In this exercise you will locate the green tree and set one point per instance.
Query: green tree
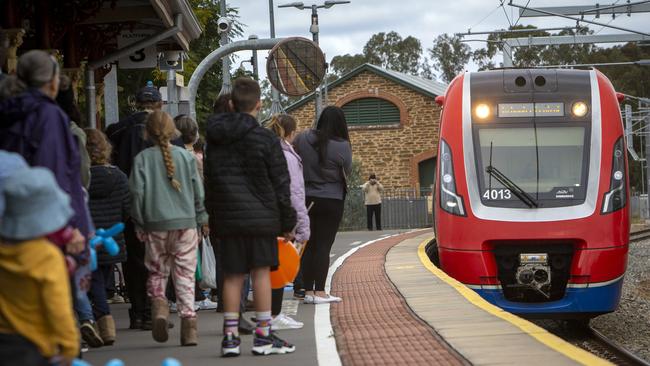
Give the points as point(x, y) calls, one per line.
point(391, 51)
point(341, 65)
point(387, 50)
point(449, 56)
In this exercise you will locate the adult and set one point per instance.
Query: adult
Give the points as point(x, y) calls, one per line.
point(372, 191)
point(128, 139)
point(34, 126)
point(327, 160)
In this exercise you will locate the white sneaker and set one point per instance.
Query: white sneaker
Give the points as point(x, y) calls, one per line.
point(309, 299)
point(173, 308)
point(325, 300)
point(282, 321)
point(205, 304)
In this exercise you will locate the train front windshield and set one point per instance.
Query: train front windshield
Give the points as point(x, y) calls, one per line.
point(549, 163)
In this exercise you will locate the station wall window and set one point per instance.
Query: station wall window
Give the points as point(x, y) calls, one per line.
point(371, 111)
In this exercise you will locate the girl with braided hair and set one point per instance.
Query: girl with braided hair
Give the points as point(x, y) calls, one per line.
point(167, 207)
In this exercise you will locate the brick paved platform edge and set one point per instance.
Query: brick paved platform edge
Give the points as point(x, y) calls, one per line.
point(374, 325)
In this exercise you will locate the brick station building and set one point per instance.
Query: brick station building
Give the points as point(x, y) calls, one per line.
point(393, 121)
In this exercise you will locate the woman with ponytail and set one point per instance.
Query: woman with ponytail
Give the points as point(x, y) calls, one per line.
point(167, 206)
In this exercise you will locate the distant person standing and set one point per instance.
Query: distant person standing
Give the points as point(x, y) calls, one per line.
point(327, 161)
point(372, 191)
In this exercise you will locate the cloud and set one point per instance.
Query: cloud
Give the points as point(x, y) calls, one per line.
point(346, 28)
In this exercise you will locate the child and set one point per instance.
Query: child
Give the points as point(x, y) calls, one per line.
point(109, 203)
point(285, 127)
point(167, 206)
point(37, 325)
point(248, 182)
point(189, 130)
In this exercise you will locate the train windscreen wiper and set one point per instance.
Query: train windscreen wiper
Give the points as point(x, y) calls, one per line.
point(515, 189)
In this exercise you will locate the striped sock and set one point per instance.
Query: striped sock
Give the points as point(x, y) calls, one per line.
point(231, 323)
point(263, 323)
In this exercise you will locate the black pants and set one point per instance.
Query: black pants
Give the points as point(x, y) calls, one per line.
point(17, 350)
point(325, 217)
point(376, 211)
point(136, 274)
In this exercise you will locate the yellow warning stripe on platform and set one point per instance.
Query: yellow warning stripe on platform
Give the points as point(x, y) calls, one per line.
point(554, 342)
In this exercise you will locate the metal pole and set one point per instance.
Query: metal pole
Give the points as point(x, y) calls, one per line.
point(314, 31)
point(90, 97)
point(172, 105)
point(646, 182)
point(111, 104)
point(214, 56)
point(225, 62)
point(276, 106)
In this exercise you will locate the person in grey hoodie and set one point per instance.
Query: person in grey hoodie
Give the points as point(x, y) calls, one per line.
point(327, 157)
point(285, 127)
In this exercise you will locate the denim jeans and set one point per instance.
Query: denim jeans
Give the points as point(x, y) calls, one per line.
point(97, 291)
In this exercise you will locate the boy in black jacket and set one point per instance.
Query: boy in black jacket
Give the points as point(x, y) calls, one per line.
point(247, 194)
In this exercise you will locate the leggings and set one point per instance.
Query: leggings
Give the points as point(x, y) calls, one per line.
point(276, 301)
point(325, 217)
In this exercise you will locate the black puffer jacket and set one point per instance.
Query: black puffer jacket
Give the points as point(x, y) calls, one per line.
point(246, 178)
point(128, 139)
point(109, 204)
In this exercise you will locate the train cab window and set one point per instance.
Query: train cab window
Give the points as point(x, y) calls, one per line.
point(548, 163)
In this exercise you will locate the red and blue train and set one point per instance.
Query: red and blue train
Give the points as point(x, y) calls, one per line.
point(531, 190)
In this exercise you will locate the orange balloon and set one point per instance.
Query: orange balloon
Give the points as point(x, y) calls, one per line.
point(289, 264)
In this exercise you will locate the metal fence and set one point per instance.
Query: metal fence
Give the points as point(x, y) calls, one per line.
point(639, 207)
point(400, 209)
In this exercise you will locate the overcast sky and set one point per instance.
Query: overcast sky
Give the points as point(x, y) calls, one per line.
point(346, 28)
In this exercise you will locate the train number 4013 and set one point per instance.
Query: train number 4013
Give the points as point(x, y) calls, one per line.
point(497, 194)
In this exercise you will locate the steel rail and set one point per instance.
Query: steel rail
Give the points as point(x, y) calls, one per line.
point(616, 349)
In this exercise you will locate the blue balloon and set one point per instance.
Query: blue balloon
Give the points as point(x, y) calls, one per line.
point(115, 362)
point(171, 362)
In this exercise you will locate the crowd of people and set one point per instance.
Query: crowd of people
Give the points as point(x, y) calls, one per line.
point(243, 188)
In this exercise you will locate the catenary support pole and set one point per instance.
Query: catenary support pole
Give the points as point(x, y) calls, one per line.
point(276, 106)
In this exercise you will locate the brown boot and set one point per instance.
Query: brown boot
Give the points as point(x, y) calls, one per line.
point(106, 326)
point(189, 335)
point(159, 316)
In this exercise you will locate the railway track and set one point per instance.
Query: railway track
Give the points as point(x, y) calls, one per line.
point(612, 350)
point(585, 336)
point(639, 235)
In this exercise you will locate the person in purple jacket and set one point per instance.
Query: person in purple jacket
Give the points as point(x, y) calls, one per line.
point(34, 126)
point(285, 127)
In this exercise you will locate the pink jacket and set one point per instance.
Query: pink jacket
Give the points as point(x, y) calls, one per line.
point(294, 163)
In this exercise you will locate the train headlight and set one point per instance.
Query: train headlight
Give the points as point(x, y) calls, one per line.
point(616, 197)
point(482, 111)
point(579, 109)
point(450, 201)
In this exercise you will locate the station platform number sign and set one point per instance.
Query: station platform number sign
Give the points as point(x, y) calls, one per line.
point(145, 58)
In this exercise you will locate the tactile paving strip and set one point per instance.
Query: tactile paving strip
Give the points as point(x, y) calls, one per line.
point(373, 325)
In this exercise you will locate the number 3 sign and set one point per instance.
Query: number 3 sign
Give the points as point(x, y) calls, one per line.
point(144, 58)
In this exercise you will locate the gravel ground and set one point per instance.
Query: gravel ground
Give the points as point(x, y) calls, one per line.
point(630, 324)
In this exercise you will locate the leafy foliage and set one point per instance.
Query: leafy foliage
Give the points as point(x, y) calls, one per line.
point(387, 50)
point(449, 55)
